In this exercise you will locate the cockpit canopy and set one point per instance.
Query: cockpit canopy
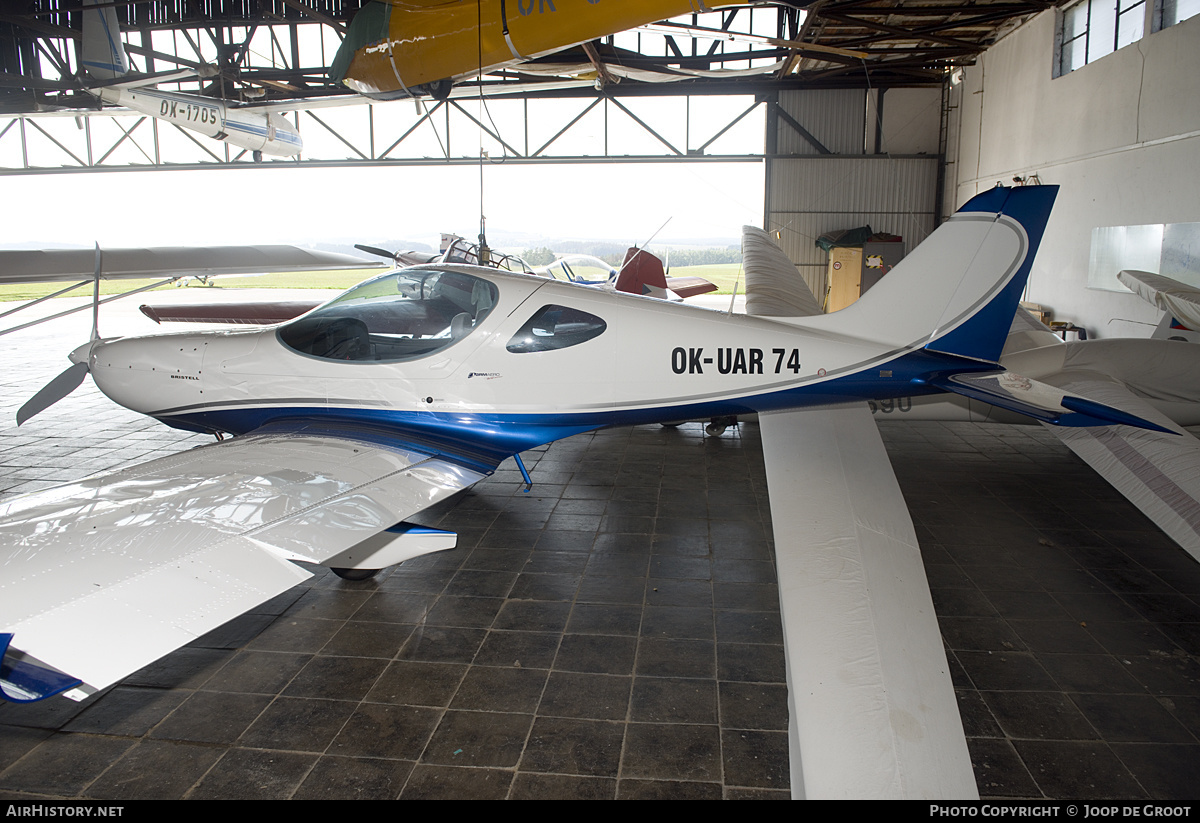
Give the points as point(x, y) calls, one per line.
point(579, 268)
point(403, 315)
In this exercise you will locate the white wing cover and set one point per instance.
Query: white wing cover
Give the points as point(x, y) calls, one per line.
point(873, 711)
point(774, 288)
point(108, 574)
point(1159, 473)
point(1173, 297)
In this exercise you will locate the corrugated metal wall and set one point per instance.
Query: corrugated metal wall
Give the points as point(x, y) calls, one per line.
point(810, 192)
point(833, 116)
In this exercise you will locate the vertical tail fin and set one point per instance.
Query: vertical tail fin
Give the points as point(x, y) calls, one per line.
point(958, 291)
point(101, 52)
point(641, 273)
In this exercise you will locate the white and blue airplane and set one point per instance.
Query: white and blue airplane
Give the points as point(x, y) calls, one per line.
point(259, 128)
point(412, 386)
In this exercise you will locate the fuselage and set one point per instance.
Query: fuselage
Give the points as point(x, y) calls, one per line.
point(393, 48)
point(497, 363)
point(267, 132)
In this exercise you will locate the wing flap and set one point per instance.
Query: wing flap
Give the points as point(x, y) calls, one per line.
point(1159, 472)
point(107, 574)
point(873, 711)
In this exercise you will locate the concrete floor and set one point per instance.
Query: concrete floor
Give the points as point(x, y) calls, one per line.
point(615, 632)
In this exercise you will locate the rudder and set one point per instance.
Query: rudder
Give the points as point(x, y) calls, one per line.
point(101, 50)
point(957, 292)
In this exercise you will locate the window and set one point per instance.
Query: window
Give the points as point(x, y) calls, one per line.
point(404, 315)
point(1091, 29)
point(1169, 12)
point(1169, 249)
point(556, 327)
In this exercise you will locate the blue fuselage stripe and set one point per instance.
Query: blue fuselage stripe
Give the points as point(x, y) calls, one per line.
point(483, 440)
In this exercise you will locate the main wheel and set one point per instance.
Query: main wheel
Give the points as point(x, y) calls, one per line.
point(355, 574)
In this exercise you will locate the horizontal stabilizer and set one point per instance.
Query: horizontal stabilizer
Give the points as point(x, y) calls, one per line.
point(138, 81)
point(1042, 402)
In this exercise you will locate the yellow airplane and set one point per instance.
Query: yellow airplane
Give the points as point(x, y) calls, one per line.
point(404, 48)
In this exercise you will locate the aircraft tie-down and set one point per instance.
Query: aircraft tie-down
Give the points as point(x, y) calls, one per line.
point(412, 386)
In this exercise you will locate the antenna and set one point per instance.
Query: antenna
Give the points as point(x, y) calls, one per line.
point(737, 281)
point(96, 295)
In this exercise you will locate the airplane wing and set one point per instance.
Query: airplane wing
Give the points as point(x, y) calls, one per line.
point(1177, 299)
point(873, 710)
point(110, 573)
point(252, 313)
point(774, 288)
point(54, 265)
point(1158, 472)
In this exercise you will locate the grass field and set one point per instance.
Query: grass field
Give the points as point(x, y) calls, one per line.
point(722, 274)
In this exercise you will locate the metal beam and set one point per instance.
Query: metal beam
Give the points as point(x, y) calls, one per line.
point(782, 114)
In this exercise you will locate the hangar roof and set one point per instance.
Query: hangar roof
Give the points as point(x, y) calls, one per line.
point(901, 43)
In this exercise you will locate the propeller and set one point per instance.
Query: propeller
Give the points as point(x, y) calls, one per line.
point(402, 258)
point(390, 255)
point(69, 380)
point(52, 392)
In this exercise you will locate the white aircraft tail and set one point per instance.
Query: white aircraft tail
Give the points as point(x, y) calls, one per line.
point(957, 292)
point(101, 52)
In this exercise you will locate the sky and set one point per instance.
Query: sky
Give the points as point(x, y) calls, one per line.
point(275, 202)
point(234, 206)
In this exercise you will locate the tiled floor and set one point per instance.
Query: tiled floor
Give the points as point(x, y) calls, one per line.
point(615, 633)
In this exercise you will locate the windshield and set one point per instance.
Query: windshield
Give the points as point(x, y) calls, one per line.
point(579, 268)
point(399, 316)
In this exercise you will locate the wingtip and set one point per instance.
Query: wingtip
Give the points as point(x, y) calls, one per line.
point(1098, 414)
point(25, 682)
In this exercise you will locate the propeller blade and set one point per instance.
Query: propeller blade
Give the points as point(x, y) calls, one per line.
point(52, 392)
point(375, 250)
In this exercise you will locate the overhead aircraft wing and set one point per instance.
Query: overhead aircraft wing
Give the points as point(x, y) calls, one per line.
point(873, 710)
point(53, 265)
point(105, 575)
point(1158, 472)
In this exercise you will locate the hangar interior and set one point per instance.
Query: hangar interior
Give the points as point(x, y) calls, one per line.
point(615, 633)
